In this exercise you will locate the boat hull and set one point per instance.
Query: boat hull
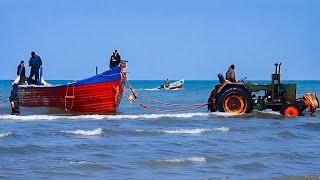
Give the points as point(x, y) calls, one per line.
point(99, 94)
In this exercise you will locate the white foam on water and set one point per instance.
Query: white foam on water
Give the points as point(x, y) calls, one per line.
point(270, 112)
point(152, 89)
point(94, 132)
point(195, 131)
point(115, 117)
point(190, 159)
point(5, 134)
point(79, 162)
point(112, 117)
point(186, 131)
point(29, 117)
point(223, 129)
point(223, 114)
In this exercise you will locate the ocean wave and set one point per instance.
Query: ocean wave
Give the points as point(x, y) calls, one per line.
point(94, 132)
point(151, 89)
point(251, 166)
point(5, 134)
point(195, 131)
point(311, 126)
point(24, 149)
point(88, 165)
point(287, 134)
point(116, 117)
point(199, 159)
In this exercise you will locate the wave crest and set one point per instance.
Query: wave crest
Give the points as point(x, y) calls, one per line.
point(116, 117)
point(195, 131)
point(5, 134)
point(94, 132)
point(182, 160)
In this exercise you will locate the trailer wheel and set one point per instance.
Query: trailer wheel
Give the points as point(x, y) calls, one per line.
point(291, 110)
point(235, 100)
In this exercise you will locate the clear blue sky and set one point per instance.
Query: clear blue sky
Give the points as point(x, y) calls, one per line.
point(163, 39)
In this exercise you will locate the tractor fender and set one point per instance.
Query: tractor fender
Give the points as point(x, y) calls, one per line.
point(226, 86)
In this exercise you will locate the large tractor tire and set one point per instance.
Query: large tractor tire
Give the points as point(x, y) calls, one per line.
point(291, 110)
point(235, 100)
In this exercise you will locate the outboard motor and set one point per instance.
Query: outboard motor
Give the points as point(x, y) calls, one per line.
point(221, 78)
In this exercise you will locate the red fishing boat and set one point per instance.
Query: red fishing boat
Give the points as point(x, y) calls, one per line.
point(99, 94)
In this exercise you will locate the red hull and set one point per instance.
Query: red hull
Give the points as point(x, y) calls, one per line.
point(98, 98)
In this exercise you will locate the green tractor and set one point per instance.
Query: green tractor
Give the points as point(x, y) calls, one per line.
point(243, 97)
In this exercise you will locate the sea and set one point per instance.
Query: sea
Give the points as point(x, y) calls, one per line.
point(140, 143)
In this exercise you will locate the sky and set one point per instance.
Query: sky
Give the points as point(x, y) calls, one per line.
point(174, 39)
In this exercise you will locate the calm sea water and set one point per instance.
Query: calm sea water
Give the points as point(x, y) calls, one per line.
point(140, 144)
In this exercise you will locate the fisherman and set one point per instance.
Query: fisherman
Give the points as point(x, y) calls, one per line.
point(115, 59)
point(21, 71)
point(166, 83)
point(14, 101)
point(230, 74)
point(35, 63)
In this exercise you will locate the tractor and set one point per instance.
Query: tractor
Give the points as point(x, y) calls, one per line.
point(243, 97)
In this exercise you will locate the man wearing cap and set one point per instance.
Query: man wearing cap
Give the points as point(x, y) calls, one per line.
point(115, 59)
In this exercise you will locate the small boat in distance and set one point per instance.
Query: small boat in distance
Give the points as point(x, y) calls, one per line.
point(173, 86)
point(99, 94)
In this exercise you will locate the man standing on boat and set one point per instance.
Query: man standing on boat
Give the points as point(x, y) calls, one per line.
point(21, 71)
point(231, 75)
point(115, 59)
point(35, 63)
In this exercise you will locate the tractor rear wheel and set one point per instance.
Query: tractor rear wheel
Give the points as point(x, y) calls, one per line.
point(235, 100)
point(291, 110)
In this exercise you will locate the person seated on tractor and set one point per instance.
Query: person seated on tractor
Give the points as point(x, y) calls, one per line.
point(230, 74)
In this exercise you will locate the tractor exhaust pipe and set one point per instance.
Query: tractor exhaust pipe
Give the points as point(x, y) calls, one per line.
point(280, 68)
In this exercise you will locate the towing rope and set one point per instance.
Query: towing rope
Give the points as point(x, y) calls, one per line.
point(164, 110)
point(181, 107)
point(4, 101)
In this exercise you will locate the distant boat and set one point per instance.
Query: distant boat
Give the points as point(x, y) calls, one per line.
point(99, 94)
point(173, 86)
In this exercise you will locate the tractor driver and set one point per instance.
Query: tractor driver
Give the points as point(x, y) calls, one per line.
point(230, 74)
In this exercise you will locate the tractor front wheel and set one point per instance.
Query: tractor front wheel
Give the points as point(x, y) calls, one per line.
point(291, 110)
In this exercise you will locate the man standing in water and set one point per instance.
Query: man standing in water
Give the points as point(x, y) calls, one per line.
point(35, 63)
point(115, 59)
point(231, 75)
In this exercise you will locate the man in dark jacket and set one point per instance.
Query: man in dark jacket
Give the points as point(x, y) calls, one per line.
point(14, 100)
point(35, 63)
point(21, 71)
point(231, 75)
point(115, 59)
